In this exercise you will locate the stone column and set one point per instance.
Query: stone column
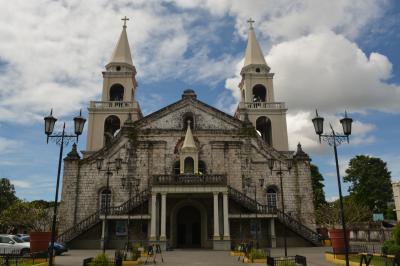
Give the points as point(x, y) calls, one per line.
point(216, 218)
point(153, 235)
point(272, 230)
point(227, 234)
point(163, 215)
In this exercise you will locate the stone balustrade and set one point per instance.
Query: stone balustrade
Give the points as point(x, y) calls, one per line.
point(263, 105)
point(189, 179)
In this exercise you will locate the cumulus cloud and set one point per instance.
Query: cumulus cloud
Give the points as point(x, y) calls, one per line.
point(9, 145)
point(53, 52)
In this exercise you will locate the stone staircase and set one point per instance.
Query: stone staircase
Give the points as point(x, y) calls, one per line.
point(94, 218)
point(290, 222)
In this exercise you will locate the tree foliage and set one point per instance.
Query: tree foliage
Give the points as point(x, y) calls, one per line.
point(328, 214)
point(318, 186)
point(7, 194)
point(370, 182)
point(27, 215)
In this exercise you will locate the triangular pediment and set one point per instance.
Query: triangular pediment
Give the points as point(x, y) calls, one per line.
point(205, 117)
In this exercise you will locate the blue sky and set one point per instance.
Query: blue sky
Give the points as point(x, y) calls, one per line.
point(330, 55)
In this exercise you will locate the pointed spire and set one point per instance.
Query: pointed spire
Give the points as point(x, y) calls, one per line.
point(189, 141)
point(122, 52)
point(253, 54)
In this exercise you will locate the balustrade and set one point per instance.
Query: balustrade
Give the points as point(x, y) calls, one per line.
point(185, 179)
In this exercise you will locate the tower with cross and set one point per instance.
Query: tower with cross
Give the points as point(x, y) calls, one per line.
point(118, 97)
point(257, 101)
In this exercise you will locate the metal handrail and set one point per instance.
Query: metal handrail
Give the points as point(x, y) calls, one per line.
point(286, 219)
point(94, 218)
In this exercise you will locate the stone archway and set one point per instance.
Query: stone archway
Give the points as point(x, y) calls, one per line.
point(182, 217)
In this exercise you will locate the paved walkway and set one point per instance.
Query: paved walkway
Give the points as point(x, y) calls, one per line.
point(315, 257)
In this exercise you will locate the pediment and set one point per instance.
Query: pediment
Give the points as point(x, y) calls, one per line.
point(205, 117)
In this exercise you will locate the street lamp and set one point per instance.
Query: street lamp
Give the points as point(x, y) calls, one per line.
point(128, 183)
point(279, 171)
point(249, 183)
point(62, 139)
point(109, 172)
point(335, 140)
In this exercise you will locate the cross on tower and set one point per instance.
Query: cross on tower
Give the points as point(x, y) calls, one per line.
point(250, 21)
point(125, 19)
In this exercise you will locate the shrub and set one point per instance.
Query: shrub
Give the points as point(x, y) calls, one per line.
point(101, 260)
point(257, 254)
point(135, 252)
point(390, 247)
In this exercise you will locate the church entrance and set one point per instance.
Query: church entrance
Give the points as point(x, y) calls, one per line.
point(188, 227)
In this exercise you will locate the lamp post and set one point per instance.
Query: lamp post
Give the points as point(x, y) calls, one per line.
point(279, 171)
point(128, 183)
point(109, 172)
point(251, 184)
point(62, 139)
point(334, 139)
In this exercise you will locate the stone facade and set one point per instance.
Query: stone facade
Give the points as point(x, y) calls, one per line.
point(229, 152)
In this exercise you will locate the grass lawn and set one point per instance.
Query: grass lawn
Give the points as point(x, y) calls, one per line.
point(376, 261)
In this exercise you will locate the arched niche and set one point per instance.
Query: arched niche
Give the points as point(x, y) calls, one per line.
point(188, 165)
point(186, 118)
point(111, 125)
point(259, 93)
point(202, 168)
point(263, 126)
point(117, 92)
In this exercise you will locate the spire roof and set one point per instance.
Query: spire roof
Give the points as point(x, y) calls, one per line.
point(122, 52)
point(189, 143)
point(253, 55)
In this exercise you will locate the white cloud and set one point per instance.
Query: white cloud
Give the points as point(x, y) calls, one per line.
point(21, 184)
point(8, 145)
point(53, 51)
point(290, 19)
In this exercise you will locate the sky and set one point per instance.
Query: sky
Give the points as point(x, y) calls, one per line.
point(327, 55)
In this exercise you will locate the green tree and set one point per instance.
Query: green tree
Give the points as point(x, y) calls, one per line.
point(317, 186)
point(370, 182)
point(328, 214)
point(7, 194)
point(23, 214)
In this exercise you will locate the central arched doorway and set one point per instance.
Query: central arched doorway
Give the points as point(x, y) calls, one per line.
point(188, 227)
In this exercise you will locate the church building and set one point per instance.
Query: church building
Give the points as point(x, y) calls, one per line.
point(187, 175)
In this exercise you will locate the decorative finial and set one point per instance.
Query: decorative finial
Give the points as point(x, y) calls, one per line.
point(125, 19)
point(250, 21)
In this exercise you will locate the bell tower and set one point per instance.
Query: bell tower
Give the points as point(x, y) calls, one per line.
point(118, 97)
point(257, 96)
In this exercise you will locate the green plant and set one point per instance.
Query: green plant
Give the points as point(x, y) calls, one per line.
point(101, 260)
point(392, 246)
point(257, 254)
point(135, 252)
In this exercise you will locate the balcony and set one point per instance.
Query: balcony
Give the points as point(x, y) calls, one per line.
point(189, 180)
point(262, 105)
point(112, 105)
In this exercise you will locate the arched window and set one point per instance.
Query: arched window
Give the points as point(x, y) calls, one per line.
point(202, 168)
point(271, 197)
point(105, 199)
point(111, 125)
point(263, 126)
point(177, 168)
point(117, 92)
point(186, 118)
point(259, 93)
point(189, 165)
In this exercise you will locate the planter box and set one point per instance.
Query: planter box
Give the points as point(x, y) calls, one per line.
point(131, 262)
point(40, 241)
point(237, 253)
point(246, 260)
